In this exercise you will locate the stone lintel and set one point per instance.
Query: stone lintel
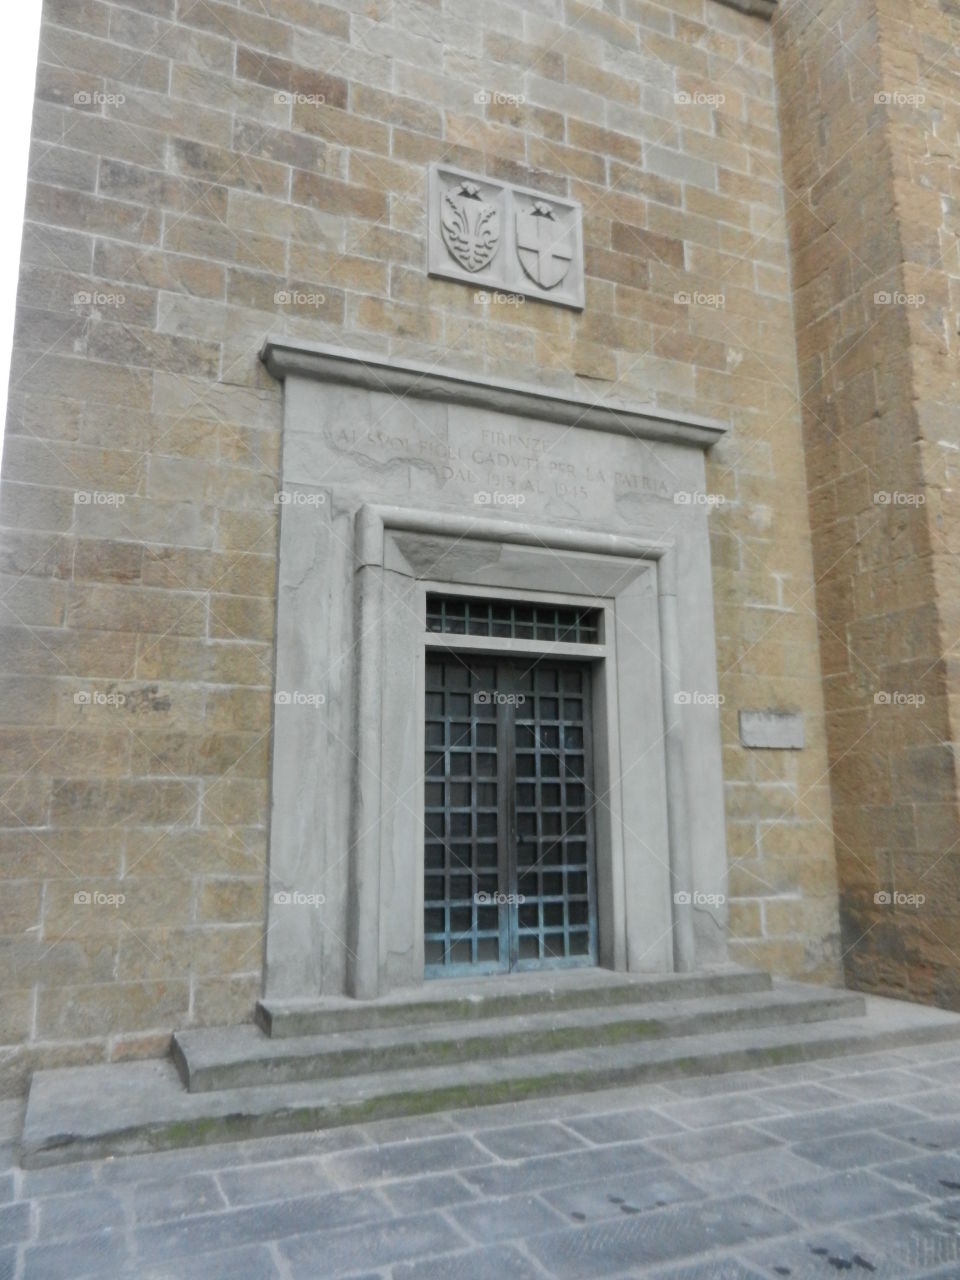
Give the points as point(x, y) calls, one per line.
point(426, 382)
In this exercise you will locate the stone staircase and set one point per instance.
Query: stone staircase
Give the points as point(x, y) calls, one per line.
point(453, 1044)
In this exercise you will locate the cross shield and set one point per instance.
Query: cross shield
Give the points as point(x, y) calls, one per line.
point(544, 245)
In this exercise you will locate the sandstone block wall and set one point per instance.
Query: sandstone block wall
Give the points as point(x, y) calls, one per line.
point(207, 172)
point(870, 118)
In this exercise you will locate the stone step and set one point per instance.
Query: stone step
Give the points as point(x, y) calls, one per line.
point(86, 1112)
point(446, 1000)
point(236, 1057)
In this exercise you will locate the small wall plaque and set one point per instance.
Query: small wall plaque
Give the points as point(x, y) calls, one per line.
point(772, 730)
point(499, 236)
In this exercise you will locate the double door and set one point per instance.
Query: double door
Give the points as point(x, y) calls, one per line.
point(509, 874)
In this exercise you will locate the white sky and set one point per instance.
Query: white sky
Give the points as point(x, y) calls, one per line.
point(18, 64)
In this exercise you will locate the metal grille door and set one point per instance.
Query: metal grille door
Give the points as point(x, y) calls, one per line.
point(461, 819)
point(509, 853)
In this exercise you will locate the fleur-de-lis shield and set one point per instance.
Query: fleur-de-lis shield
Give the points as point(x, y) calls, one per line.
point(470, 226)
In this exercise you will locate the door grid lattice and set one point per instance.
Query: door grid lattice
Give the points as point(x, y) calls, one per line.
point(509, 850)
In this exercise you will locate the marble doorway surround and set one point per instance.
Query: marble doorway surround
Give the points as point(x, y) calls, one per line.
point(399, 479)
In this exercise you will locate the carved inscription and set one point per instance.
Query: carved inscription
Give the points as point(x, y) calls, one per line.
point(505, 461)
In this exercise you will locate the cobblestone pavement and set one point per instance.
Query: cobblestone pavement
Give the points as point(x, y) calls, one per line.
point(849, 1166)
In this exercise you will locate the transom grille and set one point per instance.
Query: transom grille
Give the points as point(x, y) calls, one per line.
point(514, 620)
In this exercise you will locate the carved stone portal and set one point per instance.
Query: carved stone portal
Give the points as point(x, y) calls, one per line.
point(504, 237)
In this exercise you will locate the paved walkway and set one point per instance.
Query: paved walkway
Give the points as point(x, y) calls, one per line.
point(846, 1167)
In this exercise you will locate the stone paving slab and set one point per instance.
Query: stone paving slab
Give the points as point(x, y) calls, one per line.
point(790, 1175)
point(721, 1269)
point(825, 1253)
point(659, 1236)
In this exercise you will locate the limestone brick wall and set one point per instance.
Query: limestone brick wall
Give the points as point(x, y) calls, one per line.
point(207, 172)
point(869, 114)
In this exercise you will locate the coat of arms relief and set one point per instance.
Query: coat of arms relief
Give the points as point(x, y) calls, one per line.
point(470, 226)
point(503, 236)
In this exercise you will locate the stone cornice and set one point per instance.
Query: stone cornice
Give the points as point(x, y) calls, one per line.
point(424, 382)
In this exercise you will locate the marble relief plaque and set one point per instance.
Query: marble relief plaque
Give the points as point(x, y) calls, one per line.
point(501, 237)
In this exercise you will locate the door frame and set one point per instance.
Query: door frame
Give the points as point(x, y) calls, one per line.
point(359, 837)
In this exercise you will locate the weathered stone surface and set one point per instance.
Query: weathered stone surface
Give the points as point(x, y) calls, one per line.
point(670, 1220)
point(221, 182)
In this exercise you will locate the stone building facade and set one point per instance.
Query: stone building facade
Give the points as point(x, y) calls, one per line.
point(212, 180)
